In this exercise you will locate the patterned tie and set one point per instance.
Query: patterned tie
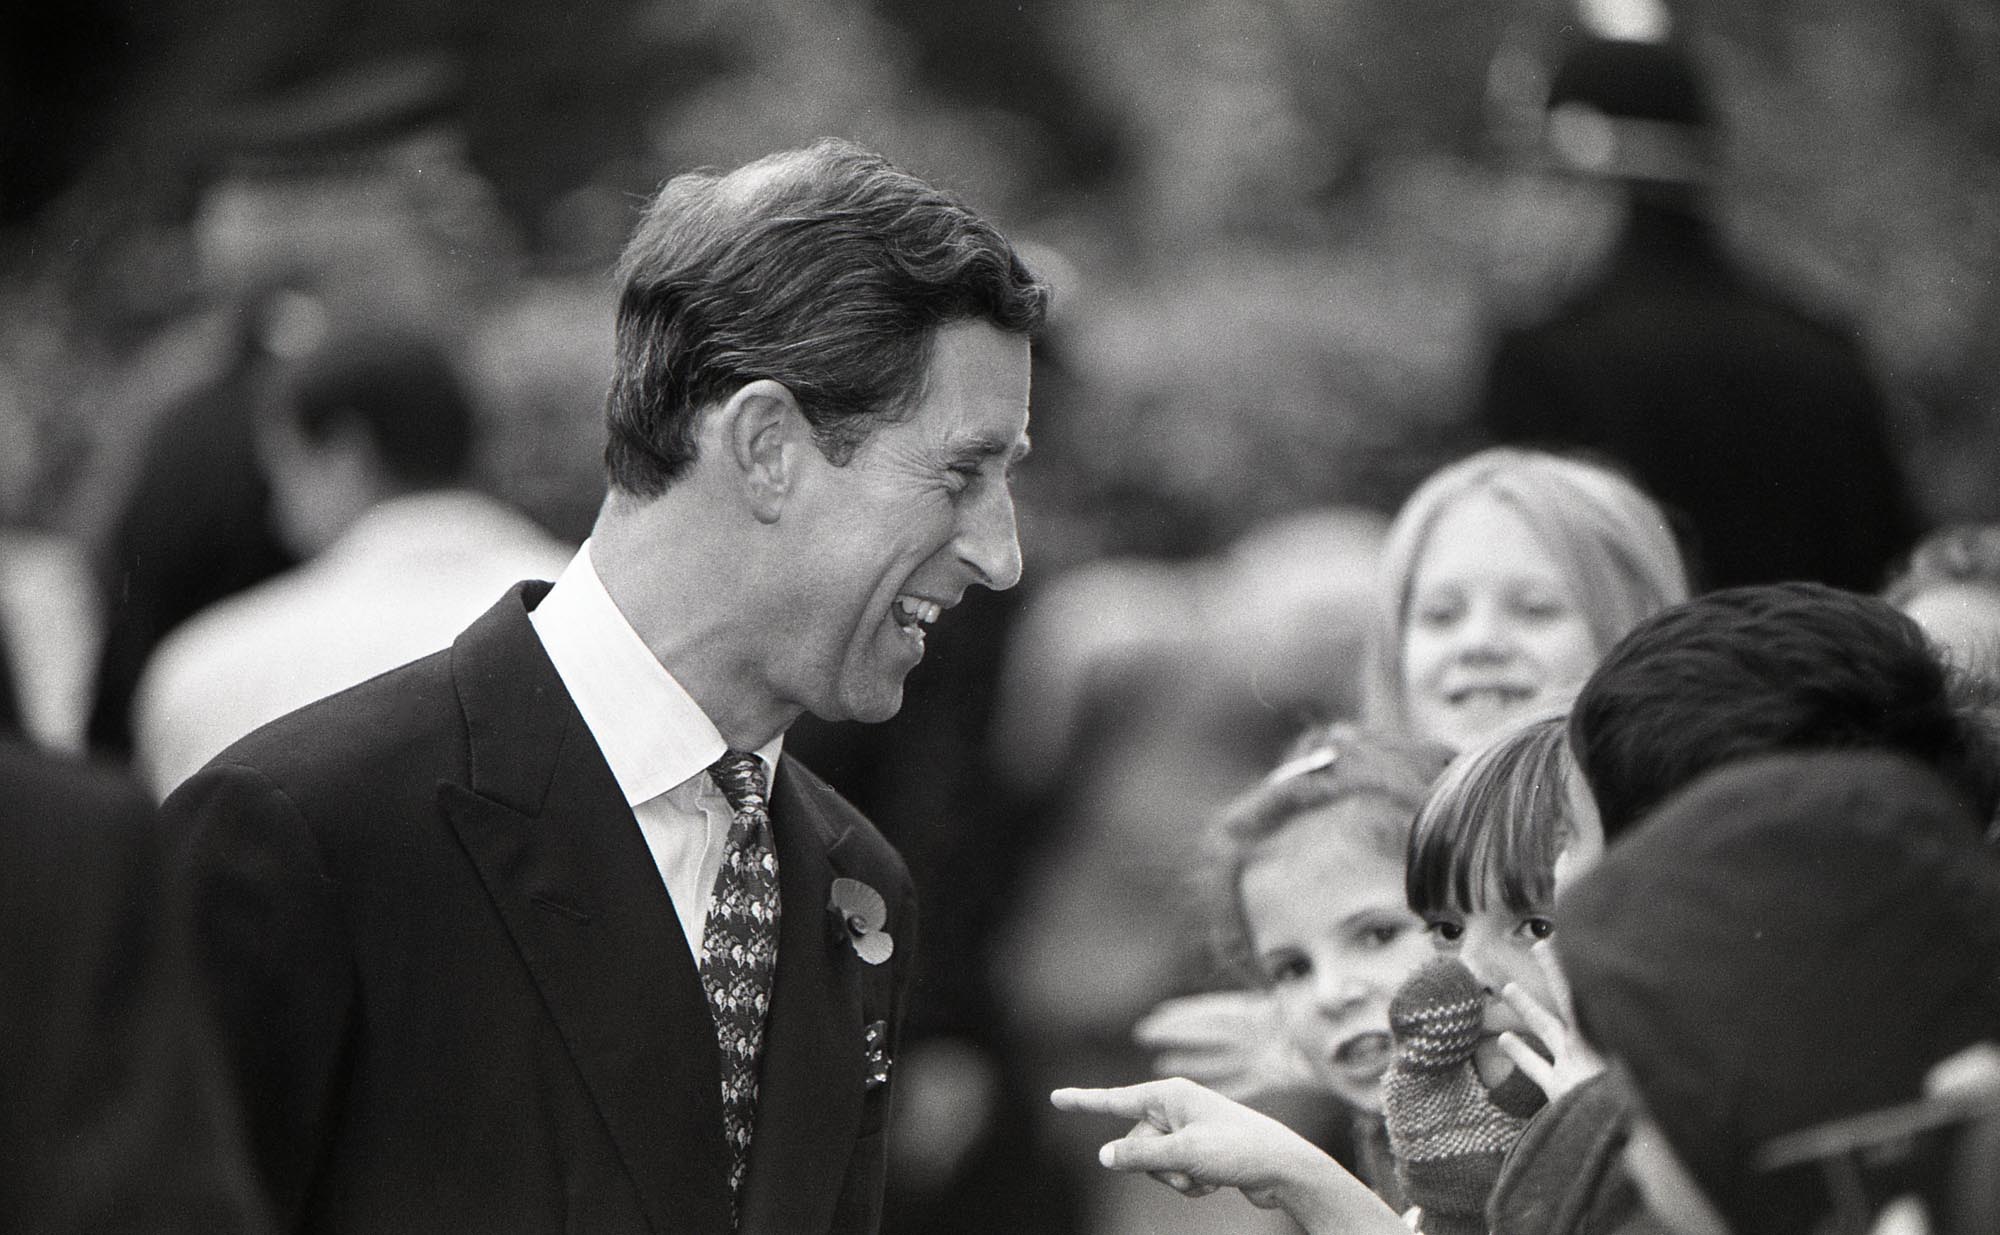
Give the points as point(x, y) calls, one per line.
point(740, 949)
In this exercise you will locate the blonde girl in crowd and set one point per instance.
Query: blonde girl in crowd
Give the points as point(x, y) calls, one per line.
point(1505, 578)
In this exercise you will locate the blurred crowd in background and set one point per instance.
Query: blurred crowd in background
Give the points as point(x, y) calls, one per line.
point(1287, 239)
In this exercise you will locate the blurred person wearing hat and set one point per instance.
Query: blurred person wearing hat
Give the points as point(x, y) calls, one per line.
point(547, 931)
point(1758, 424)
point(346, 195)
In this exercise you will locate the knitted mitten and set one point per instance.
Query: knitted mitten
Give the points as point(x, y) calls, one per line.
point(1448, 1135)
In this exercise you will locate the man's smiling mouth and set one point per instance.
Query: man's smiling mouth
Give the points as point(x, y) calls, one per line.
point(913, 614)
point(911, 611)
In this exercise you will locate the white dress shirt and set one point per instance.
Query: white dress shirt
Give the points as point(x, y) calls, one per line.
point(656, 738)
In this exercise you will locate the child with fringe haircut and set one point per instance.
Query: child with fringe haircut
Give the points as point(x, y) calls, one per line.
point(1484, 1039)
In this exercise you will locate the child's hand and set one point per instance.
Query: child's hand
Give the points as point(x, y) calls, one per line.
point(1195, 1140)
point(1188, 1137)
point(1574, 1061)
point(1448, 1134)
point(1228, 1041)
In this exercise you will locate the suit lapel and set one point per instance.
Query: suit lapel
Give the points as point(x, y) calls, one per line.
point(570, 875)
point(813, 1075)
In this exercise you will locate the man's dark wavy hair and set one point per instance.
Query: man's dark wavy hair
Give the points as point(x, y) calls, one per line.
point(826, 269)
point(1763, 670)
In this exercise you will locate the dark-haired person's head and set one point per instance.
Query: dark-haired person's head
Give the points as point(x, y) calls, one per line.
point(819, 397)
point(1758, 670)
point(365, 414)
point(1792, 941)
point(827, 270)
point(399, 388)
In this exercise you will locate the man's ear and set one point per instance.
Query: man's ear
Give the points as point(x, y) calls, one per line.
point(762, 433)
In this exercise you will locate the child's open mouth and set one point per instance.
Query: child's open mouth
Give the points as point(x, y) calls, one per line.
point(1365, 1055)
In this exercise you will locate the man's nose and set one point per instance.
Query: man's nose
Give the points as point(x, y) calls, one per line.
point(989, 541)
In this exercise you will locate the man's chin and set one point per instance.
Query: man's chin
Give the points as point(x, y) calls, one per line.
point(869, 709)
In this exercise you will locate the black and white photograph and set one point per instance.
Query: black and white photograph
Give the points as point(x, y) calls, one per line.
point(1000, 617)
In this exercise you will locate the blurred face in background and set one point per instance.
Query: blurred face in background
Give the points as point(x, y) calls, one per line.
point(1334, 938)
point(1492, 632)
point(1963, 619)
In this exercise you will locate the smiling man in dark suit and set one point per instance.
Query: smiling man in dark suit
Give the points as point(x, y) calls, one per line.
point(492, 936)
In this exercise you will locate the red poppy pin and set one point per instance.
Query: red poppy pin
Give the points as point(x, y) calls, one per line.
point(861, 913)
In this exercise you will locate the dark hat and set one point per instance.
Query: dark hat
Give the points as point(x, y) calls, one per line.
point(1624, 79)
point(1791, 940)
point(1628, 109)
point(338, 113)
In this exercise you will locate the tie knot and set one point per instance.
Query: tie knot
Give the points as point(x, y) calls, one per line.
point(740, 776)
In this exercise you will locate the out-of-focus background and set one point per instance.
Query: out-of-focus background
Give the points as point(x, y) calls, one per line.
point(1284, 236)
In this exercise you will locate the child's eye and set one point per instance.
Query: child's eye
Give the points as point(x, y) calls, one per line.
point(1539, 928)
point(1435, 613)
point(1382, 934)
point(1539, 608)
point(1283, 969)
point(1444, 930)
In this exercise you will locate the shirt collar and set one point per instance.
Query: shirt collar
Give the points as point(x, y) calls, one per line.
point(653, 734)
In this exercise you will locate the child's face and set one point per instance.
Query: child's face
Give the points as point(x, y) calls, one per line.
point(1493, 633)
point(1495, 943)
point(1335, 939)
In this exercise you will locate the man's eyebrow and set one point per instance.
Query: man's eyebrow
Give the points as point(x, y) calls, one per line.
point(988, 447)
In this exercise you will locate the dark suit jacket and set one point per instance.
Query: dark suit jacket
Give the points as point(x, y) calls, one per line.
point(455, 990)
point(113, 1114)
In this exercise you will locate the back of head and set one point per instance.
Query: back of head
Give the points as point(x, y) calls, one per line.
point(1757, 670)
point(1791, 940)
point(399, 388)
point(1496, 822)
point(1613, 542)
point(826, 269)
